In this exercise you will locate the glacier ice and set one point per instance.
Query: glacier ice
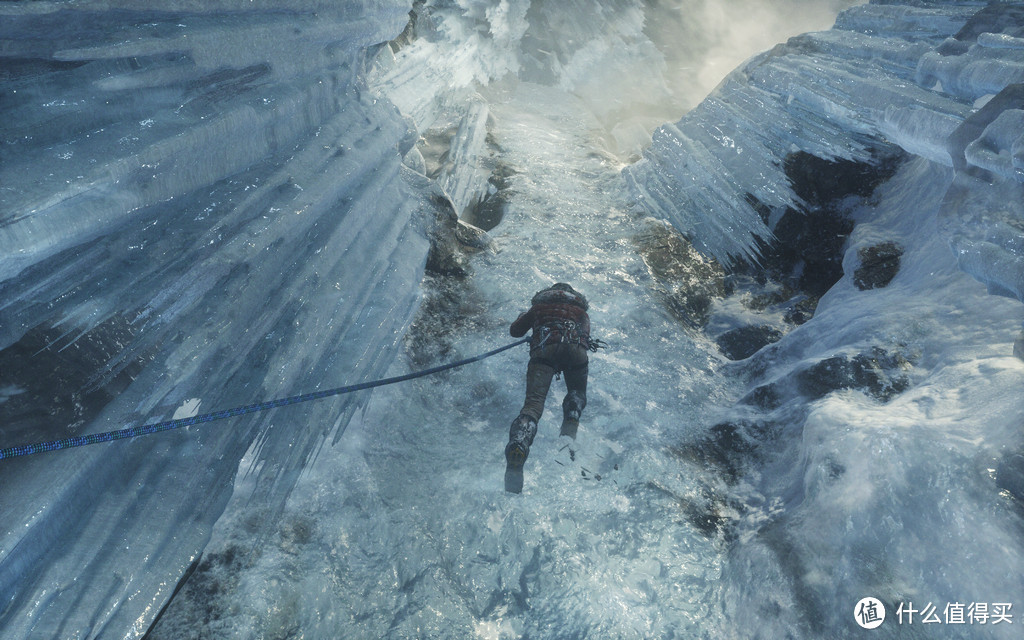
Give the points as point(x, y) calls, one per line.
point(886, 74)
point(222, 204)
point(151, 162)
point(413, 534)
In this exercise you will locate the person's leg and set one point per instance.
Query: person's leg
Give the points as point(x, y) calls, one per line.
point(524, 428)
point(520, 437)
point(538, 381)
point(576, 396)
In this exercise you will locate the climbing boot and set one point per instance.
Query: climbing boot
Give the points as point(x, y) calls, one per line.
point(520, 437)
point(515, 456)
point(572, 407)
point(569, 427)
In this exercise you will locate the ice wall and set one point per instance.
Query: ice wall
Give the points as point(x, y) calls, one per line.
point(196, 202)
point(206, 206)
point(914, 76)
point(838, 505)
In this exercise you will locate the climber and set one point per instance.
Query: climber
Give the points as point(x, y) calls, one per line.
point(559, 344)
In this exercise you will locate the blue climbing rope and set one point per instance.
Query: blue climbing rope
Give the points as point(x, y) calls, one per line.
point(131, 432)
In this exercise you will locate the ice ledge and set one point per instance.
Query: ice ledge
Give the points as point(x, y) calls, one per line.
point(992, 138)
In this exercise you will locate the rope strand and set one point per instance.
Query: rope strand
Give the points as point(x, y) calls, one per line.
point(131, 432)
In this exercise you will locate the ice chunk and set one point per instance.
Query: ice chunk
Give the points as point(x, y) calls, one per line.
point(974, 74)
point(463, 177)
point(1000, 145)
point(1000, 41)
point(988, 137)
point(920, 131)
point(188, 409)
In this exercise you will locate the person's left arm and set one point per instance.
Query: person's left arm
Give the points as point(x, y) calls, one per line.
point(522, 324)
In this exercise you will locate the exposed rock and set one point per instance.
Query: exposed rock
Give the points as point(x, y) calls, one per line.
point(996, 17)
point(766, 397)
point(724, 448)
point(879, 264)
point(205, 583)
point(769, 297)
point(450, 240)
point(489, 212)
point(1018, 346)
point(708, 510)
point(743, 342)
point(1010, 475)
point(878, 373)
point(471, 237)
point(807, 253)
point(810, 248)
point(689, 281)
point(705, 517)
point(804, 259)
point(52, 384)
point(409, 34)
point(450, 304)
point(724, 451)
point(801, 310)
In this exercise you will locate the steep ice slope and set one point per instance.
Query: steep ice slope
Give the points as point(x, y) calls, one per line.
point(405, 530)
point(202, 204)
point(881, 478)
point(709, 518)
point(216, 150)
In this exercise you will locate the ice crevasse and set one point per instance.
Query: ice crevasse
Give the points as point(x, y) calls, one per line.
point(152, 160)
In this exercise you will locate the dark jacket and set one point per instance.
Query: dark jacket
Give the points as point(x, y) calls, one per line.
point(556, 315)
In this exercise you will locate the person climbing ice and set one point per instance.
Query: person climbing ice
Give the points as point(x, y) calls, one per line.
point(559, 344)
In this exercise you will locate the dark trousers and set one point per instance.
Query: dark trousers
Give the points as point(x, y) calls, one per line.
point(545, 362)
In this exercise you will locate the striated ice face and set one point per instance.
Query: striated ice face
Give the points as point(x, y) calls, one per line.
point(197, 204)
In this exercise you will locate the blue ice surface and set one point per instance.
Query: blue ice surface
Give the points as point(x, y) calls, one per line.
point(220, 202)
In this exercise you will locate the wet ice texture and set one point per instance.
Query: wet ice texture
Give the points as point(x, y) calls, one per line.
point(408, 531)
point(211, 202)
point(886, 74)
point(216, 186)
point(214, 200)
